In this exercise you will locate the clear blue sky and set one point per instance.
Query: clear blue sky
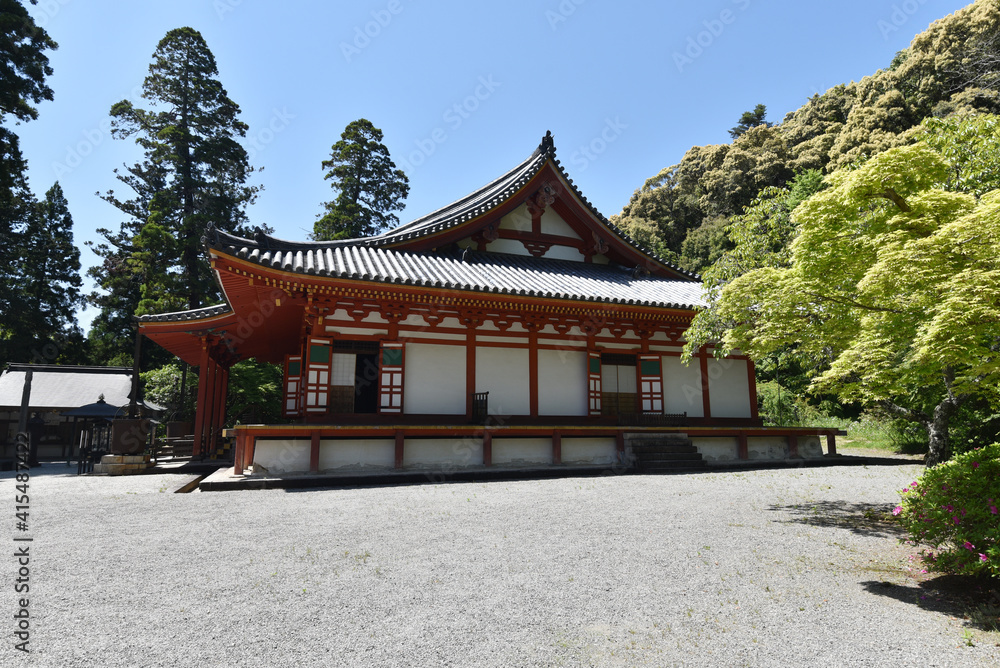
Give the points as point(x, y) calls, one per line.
point(462, 90)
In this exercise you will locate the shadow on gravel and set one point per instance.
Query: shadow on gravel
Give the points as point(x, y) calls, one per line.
point(866, 519)
point(975, 600)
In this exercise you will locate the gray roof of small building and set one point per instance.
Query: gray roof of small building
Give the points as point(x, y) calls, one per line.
point(193, 314)
point(60, 387)
point(473, 271)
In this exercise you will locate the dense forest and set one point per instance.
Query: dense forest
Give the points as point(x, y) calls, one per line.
point(952, 68)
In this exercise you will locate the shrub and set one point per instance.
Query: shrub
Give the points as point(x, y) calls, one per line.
point(954, 509)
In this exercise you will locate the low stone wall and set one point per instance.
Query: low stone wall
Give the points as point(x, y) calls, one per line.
point(122, 464)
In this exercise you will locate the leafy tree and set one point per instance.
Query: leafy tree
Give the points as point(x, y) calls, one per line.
point(369, 187)
point(953, 67)
point(892, 277)
point(193, 174)
point(750, 119)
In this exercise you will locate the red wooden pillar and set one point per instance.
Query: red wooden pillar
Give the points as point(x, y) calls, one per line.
point(706, 401)
point(400, 443)
point(556, 448)
point(239, 452)
point(752, 382)
point(314, 453)
point(831, 444)
point(742, 449)
point(211, 400)
point(219, 407)
point(470, 373)
point(793, 447)
point(199, 415)
point(250, 445)
point(487, 448)
point(533, 369)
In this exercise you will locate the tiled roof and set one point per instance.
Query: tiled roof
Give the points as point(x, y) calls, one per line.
point(470, 270)
point(471, 206)
point(55, 387)
point(196, 314)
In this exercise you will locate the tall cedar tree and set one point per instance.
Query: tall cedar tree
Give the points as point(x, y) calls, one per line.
point(193, 175)
point(368, 185)
point(750, 119)
point(50, 283)
point(23, 69)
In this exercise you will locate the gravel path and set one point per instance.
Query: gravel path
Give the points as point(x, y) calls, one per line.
point(763, 568)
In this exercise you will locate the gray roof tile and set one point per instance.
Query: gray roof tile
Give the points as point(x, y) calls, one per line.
point(479, 272)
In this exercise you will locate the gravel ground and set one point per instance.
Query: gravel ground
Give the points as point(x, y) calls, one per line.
point(763, 568)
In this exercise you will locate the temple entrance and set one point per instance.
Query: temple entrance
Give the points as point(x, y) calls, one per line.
point(366, 383)
point(618, 384)
point(354, 380)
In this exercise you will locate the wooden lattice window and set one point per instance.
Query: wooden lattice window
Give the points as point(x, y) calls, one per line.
point(594, 382)
point(391, 378)
point(317, 382)
point(651, 383)
point(293, 385)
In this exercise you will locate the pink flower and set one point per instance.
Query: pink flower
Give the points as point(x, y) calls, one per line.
point(975, 465)
point(957, 521)
point(993, 509)
point(897, 510)
point(982, 557)
point(969, 546)
point(949, 508)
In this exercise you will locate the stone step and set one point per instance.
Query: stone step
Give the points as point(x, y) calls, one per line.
point(669, 457)
point(659, 447)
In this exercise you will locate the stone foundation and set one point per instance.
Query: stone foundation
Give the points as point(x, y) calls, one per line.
point(122, 464)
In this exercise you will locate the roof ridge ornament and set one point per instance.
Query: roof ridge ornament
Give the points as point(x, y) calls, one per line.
point(548, 144)
point(261, 239)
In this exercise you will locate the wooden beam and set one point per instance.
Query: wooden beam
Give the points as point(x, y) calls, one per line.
point(487, 448)
point(706, 400)
point(533, 371)
point(743, 450)
point(199, 411)
point(314, 443)
point(400, 443)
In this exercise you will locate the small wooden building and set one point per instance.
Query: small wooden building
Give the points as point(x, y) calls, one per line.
point(514, 327)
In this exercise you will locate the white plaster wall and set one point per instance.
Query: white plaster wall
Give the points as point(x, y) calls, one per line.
point(427, 453)
point(519, 219)
point(588, 451)
point(512, 246)
point(718, 449)
point(282, 455)
point(552, 223)
point(520, 451)
point(564, 253)
point(562, 382)
point(343, 453)
point(355, 331)
point(503, 372)
point(767, 447)
point(682, 387)
point(728, 388)
point(434, 379)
